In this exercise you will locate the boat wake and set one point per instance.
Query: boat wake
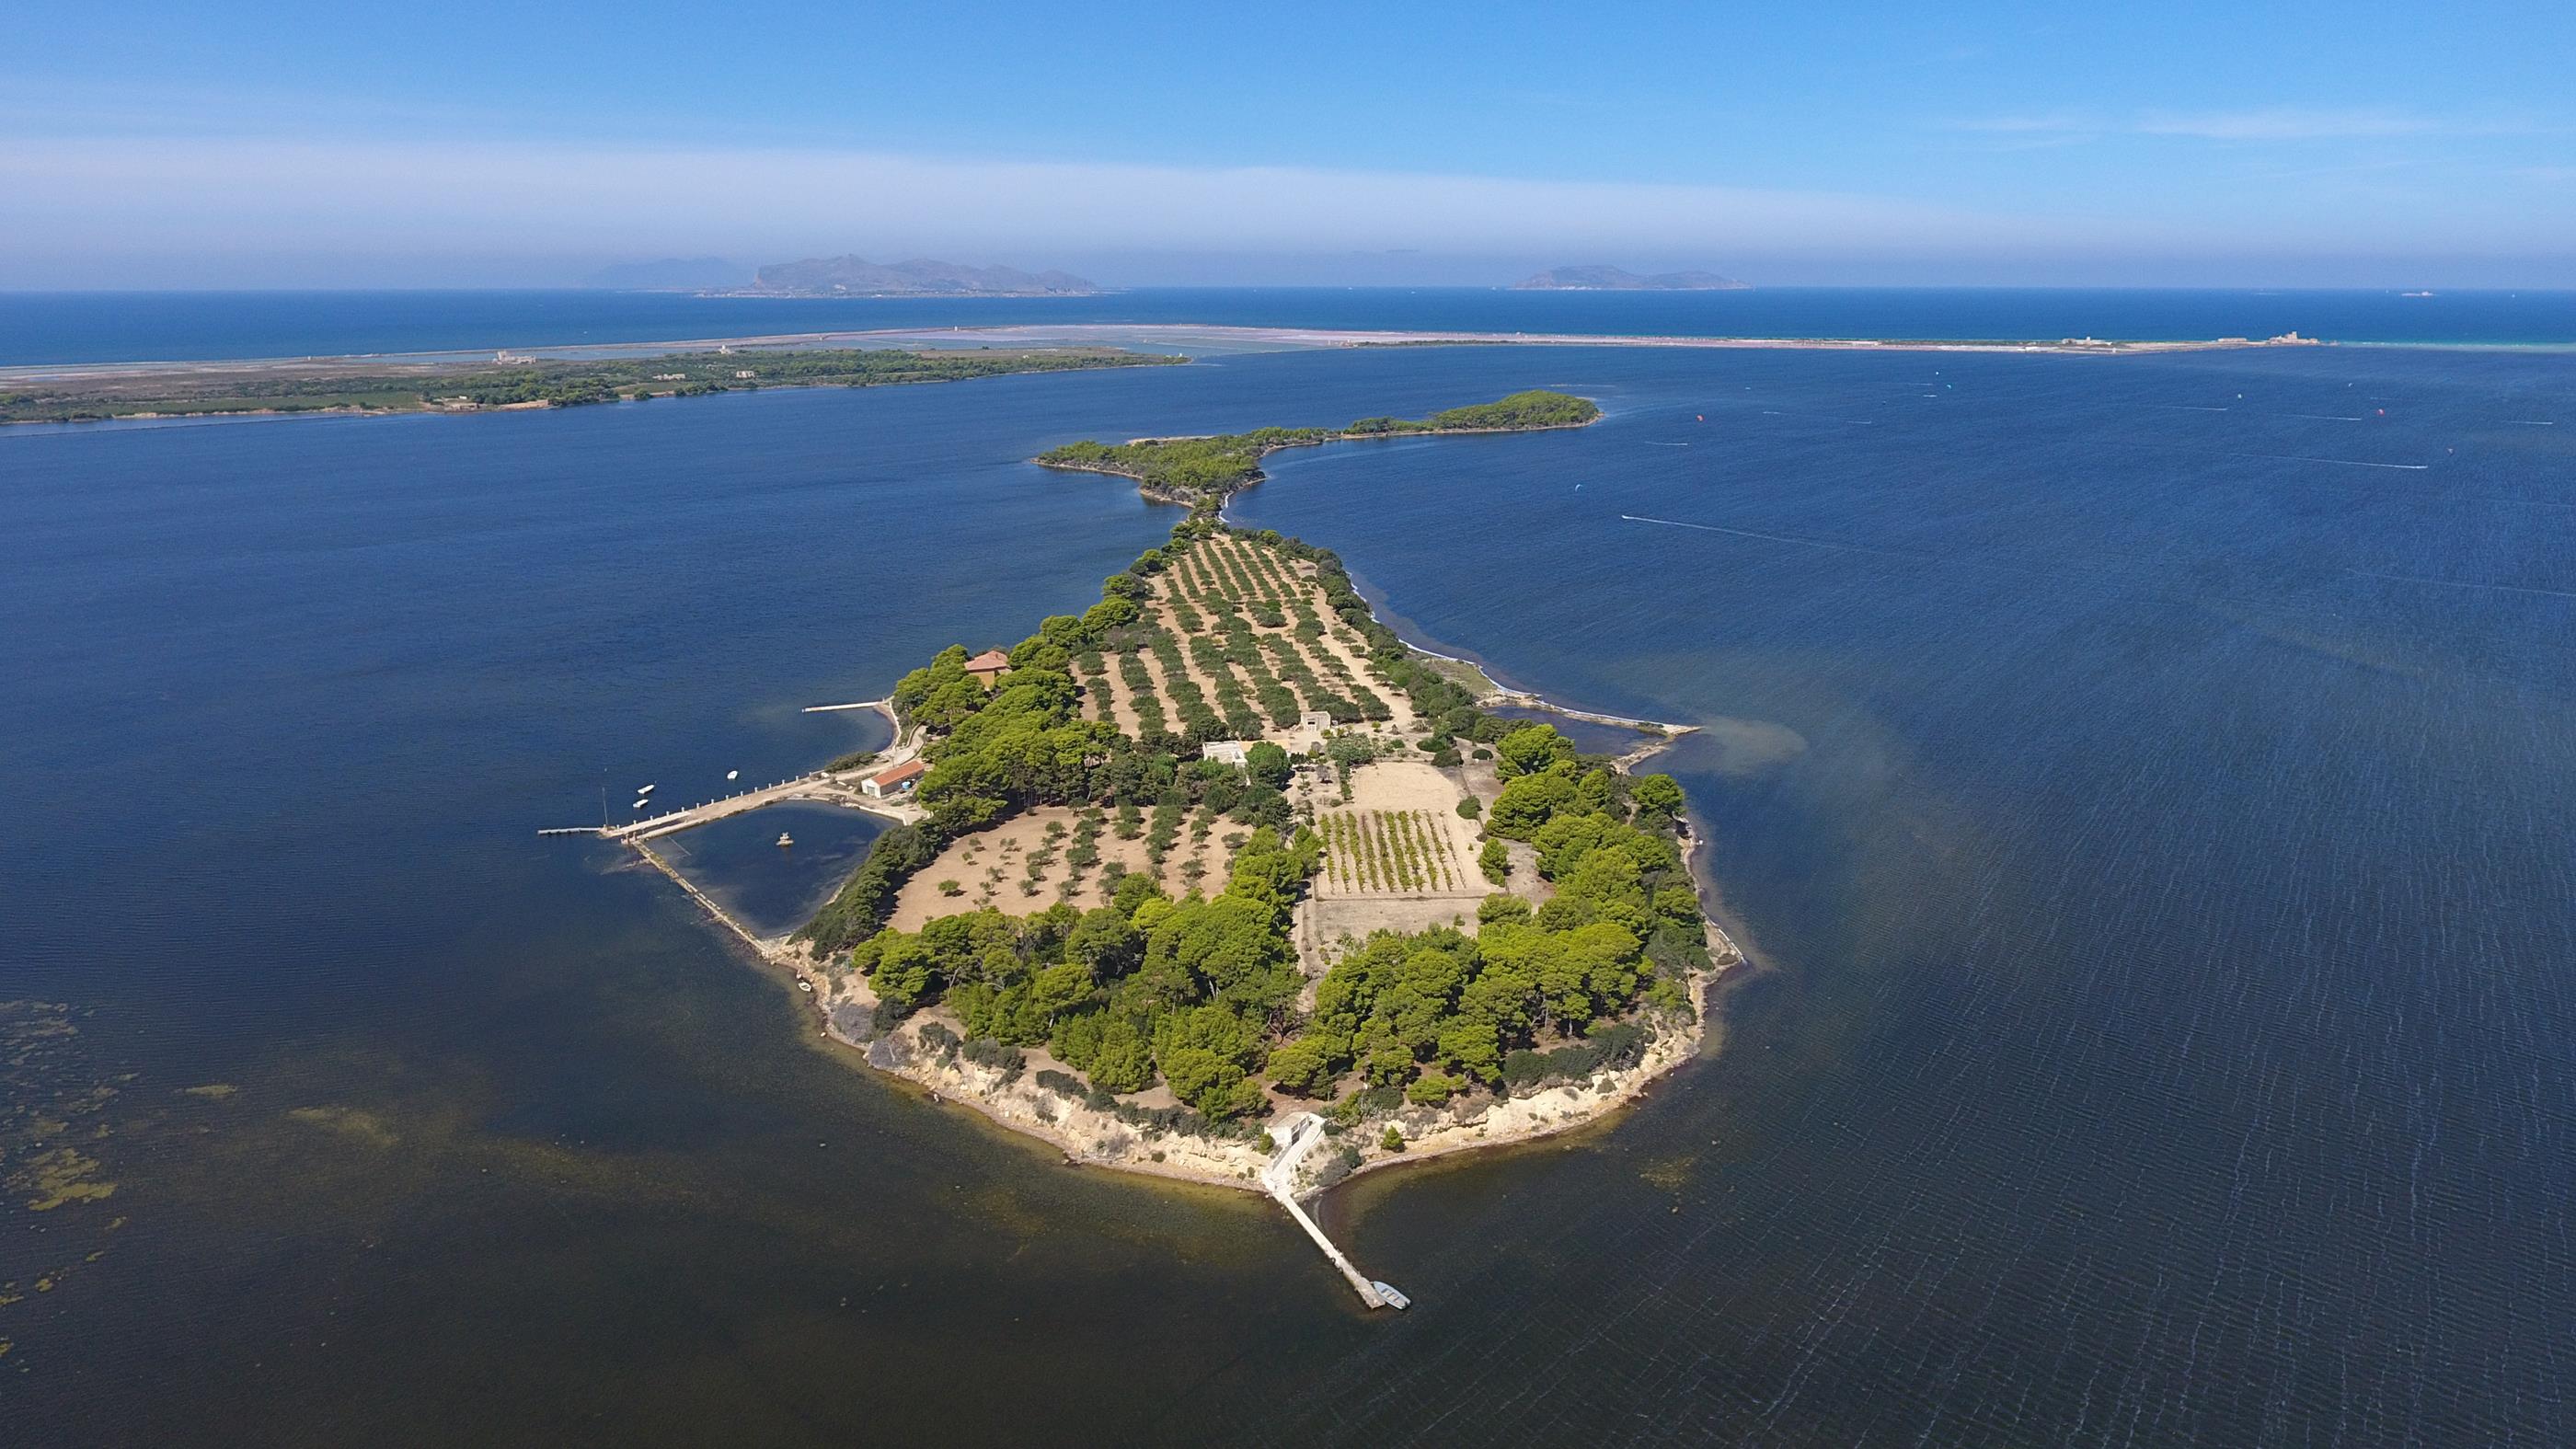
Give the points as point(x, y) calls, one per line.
point(1777, 537)
point(2457, 584)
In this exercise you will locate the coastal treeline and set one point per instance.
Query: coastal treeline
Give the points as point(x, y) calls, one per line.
point(1192, 470)
point(1432, 1014)
point(1522, 411)
point(1185, 468)
point(307, 387)
point(1199, 992)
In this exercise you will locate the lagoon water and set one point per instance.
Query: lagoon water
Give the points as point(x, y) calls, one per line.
point(773, 889)
point(2147, 782)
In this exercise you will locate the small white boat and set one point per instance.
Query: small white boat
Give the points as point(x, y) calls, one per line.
point(1388, 1292)
point(786, 839)
point(640, 804)
point(646, 790)
point(733, 774)
point(804, 985)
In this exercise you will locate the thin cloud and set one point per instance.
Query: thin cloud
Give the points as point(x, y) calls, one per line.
point(133, 211)
point(266, 197)
point(2284, 123)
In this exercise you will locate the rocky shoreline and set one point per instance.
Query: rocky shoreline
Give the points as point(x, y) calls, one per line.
point(1092, 1134)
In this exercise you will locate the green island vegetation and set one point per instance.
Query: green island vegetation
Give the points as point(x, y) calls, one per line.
point(1191, 470)
point(1201, 992)
point(376, 386)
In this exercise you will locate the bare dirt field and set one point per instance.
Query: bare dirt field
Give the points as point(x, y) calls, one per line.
point(992, 867)
point(1400, 834)
point(1397, 857)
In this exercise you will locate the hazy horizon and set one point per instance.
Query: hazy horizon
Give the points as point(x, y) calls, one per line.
point(580, 285)
point(309, 148)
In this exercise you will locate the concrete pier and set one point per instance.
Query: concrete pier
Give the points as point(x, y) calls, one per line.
point(830, 789)
point(1304, 1131)
point(1522, 700)
point(723, 917)
point(816, 786)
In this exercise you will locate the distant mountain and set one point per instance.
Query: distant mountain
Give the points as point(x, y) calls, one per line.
point(671, 274)
point(920, 277)
point(1613, 279)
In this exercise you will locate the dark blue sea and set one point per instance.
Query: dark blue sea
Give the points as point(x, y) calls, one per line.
point(2146, 783)
point(58, 327)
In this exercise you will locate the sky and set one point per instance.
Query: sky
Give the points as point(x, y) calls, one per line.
point(1970, 143)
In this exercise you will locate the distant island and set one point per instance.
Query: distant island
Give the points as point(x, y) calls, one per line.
point(1615, 279)
point(855, 276)
point(1204, 470)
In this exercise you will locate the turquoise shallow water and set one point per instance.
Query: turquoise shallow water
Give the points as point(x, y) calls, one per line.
point(132, 326)
point(2147, 782)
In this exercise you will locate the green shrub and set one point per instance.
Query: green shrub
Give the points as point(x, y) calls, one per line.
point(986, 1052)
point(1431, 1089)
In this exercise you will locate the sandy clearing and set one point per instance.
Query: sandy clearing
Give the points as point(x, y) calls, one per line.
point(1338, 921)
point(1426, 798)
point(971, 860)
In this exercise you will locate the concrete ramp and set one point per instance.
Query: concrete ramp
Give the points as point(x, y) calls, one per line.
point(1297, 1137)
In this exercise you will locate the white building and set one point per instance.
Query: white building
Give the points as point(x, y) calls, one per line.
point(888, 784)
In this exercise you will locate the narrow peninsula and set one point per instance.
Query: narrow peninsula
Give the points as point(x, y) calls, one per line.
point(1218, 879)
point(505, 381)
point(1201, 470)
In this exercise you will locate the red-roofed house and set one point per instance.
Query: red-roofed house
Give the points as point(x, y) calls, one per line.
point(988, 666)
point(886, 784)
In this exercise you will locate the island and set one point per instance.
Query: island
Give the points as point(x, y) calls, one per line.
point(1202, 470)
point(506, 381)
point(855, 276)
point(1218, 879)
point(1614, 279)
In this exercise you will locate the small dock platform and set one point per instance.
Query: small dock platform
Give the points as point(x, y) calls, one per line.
point(1302, 1132)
